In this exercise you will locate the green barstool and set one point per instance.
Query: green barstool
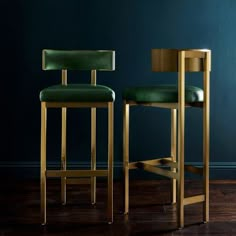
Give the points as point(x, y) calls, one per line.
point(176, 98)
point(65, 96)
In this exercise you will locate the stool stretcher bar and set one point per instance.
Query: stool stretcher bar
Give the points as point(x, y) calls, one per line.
point(157, 170)
point(194, 199)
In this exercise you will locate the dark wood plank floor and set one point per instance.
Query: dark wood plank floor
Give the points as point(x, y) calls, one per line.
point(150, 211)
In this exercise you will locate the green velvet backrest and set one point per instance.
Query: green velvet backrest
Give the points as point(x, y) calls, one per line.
point(78, 60)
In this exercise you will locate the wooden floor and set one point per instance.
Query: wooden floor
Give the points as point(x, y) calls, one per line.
point(150, 211)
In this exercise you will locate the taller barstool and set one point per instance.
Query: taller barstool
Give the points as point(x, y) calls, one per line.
point(67, 95)
point(176, 98)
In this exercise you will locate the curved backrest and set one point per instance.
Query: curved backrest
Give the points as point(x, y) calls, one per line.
point(167, 60)
point(78, 60)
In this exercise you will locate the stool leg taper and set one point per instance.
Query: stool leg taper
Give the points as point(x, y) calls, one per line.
point(110, 161)
point(43, 162)
point(126, 156)
point(63, 153)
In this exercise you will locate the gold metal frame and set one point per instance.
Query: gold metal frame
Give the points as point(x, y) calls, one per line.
point(191, 60)
point(93, 142)
point(63, 142)
point(173, 152)
point(74, 176)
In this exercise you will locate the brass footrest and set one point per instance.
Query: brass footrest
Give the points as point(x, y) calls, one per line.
point(194, 199)
point(167, 161)
point(157, 170)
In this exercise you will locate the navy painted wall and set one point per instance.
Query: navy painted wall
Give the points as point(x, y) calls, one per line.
point(131, 28)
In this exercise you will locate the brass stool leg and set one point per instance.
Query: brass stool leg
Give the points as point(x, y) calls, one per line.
point(63, 153)
point(206, 135)
point(180, 199)
point(63, 141)
point(110, 161)
point(173, 152)
point(93, 142)
point(126, 156)
point(43, 162)
point(93, 154)
point(181, 125)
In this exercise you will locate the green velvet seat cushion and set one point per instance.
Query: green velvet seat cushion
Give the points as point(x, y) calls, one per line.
point(162, 94)
point(77, 93)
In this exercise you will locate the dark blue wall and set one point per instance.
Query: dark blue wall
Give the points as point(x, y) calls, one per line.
point(131, 28)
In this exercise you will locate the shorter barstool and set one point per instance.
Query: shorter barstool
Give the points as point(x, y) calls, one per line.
point(67, 95)
point(176, 98)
